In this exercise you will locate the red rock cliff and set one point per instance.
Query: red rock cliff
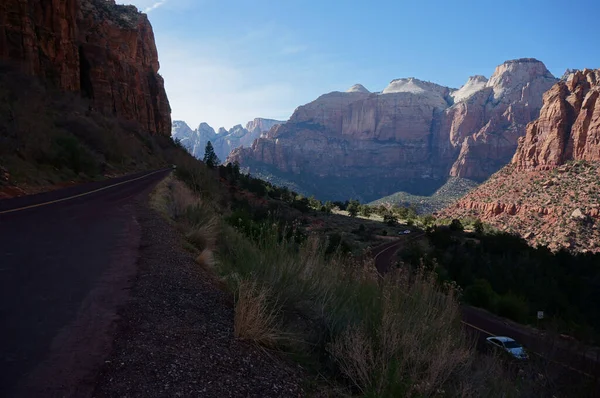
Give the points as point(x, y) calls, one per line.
point(568, 127)
point(95, 47)
point(542, 195)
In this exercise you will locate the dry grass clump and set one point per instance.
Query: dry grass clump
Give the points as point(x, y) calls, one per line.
point(411, 345)
point(206, 259)
point(255, 319)
point(177, 202)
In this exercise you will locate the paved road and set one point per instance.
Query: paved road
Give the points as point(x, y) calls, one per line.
point(64, 270)
point(483, 324)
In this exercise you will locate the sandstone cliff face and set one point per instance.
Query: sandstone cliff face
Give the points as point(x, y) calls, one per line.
point(259, 125)
point(95, 47)
point(411, 134)
point(549, 193)
point(568, 127)
point(487, 124)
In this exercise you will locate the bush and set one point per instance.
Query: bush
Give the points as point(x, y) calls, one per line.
point(456, 226)
point(481, 294)
point(365, 210)
point(512, 307)
point(335, 243)
point(390, 219)
point(353, 208)
point(70, 154)
point(478, 226)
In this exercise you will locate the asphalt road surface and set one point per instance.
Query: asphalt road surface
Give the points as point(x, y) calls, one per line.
point(66, 259)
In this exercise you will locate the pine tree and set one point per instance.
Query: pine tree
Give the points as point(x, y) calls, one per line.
point(210, 157)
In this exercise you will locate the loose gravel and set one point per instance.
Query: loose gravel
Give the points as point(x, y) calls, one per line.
point(175, 334)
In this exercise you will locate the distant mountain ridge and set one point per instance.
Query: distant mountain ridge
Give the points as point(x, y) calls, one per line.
point(412, 136)
point(223, 141)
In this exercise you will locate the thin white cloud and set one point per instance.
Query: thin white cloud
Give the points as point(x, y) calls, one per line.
point(155, 6)
point(207, 89)
point(225, 80)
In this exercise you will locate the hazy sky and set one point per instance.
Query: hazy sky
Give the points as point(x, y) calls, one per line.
point(226, 62)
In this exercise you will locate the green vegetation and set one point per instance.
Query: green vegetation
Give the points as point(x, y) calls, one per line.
point(210, 157)
point(308, 297)
point(48, 137)
point(454, 189)
point(380, 338)
point(502, 273)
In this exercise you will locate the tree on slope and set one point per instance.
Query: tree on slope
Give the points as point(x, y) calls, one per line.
point(210, 157)
point(353, 208)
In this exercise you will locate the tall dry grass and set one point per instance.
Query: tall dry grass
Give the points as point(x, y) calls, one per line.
point(255, 318)
point(195, 216)
point(394, 336)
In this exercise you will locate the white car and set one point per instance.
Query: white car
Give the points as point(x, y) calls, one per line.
point(508, 345)
point(407, 231)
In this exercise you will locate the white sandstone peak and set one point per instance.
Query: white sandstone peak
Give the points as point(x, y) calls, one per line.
point(357, 88)
point(514, 74)
point(473, 85)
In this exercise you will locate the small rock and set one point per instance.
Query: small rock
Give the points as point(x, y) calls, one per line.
point(577, 214)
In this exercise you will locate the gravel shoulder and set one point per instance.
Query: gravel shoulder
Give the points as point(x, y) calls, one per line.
point(175, 334)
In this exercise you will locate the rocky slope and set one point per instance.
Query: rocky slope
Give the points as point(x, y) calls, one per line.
point(223, 141)
point(447, 194)
point(105, 52)
point(550, 193)
point(410, 137)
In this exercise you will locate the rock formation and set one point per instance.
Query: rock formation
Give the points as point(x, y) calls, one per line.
point(549, 193)
point(102, 50)
point(223, 141)
point(411, 136)
point(568, 127)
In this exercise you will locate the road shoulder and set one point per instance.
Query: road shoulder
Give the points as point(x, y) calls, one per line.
point(175, 335)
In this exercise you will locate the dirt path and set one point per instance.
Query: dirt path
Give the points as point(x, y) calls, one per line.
point(175, 336)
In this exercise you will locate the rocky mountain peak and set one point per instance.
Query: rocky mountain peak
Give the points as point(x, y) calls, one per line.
point(567, 73)
point(259, 125)
point(410, 135)
point(180, 125)
point(357, 88)
point(414, 86)
point(510, 77)
point(205, 130)
point(223, 141)
point(473, 85)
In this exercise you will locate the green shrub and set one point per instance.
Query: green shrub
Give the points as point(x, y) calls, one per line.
point(456, 226)
point(478, 226)
point(481, 294)
point(512, 307)
point(353, 208)
point(70, 154)
point(390, 219)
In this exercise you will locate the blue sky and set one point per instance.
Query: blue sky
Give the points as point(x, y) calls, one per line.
point(226, 62)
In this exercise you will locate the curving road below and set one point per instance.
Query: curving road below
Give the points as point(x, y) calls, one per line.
point(66, 258)
point(568, 361)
